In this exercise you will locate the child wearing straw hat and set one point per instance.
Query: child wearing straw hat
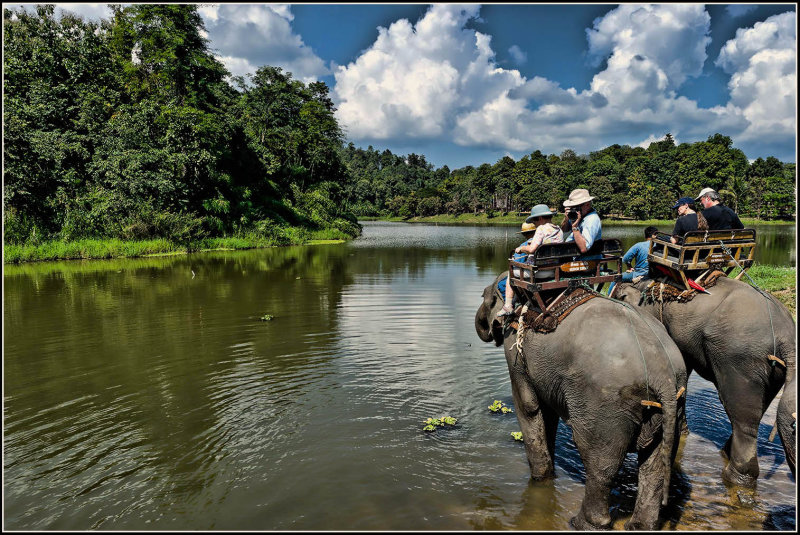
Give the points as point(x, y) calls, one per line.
point(539, 223)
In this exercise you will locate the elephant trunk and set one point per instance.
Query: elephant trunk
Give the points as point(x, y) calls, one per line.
point(482, 325)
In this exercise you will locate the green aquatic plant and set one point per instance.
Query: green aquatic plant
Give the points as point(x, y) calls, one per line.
point(498, 406)
point(267, 317)
point(432, 423)
point(517, 435)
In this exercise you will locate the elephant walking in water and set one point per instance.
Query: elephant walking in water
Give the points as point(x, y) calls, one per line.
point(728, 338)
point(593, 372)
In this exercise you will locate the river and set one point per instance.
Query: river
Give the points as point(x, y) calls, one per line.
point(148, 394)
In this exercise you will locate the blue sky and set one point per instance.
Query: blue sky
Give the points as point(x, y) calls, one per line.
point(469, 84)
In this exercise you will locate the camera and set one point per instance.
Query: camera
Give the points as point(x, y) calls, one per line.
point(572, 215)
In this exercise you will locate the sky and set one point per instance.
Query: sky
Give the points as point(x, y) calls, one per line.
point(466, 84)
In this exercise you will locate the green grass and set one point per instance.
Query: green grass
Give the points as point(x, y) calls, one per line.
point(115, 248)
point(779, 281)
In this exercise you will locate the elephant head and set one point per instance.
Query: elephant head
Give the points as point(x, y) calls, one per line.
point(488, 327)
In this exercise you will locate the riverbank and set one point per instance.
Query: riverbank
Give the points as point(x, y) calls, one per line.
point(514, 219)
point(779, 281)
point(115, 248)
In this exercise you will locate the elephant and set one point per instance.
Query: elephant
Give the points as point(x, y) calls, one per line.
point(787, 422)
point(727, 336)
point(593, 371)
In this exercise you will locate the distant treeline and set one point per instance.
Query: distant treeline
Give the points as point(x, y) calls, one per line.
point(130, 128)
point(625, 181)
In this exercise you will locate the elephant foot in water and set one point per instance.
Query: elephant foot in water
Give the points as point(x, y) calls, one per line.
point(732, 476)
point(633, 525)
point(578, 523)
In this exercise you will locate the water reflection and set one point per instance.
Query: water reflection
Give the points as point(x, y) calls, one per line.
point(138, 396)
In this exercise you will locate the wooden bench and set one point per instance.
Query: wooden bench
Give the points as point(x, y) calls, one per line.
point(701, 251)
point(561, 266)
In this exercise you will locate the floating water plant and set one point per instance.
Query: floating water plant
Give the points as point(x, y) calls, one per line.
point(267, 317)
point(432, 423)
point(498, 406)
point(517, 435)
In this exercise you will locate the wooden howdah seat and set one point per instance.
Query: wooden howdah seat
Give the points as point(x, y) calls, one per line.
point(561, 267)
point(701, 251)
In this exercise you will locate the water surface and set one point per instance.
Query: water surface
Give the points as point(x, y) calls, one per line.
point(146, 394)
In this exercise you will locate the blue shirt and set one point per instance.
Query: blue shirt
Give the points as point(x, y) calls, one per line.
point(591, 230)
point(639, 253)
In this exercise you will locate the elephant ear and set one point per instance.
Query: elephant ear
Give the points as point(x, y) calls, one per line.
point(628, 293)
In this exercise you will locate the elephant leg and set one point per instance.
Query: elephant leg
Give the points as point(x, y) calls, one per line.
point(602, 461)
point(651, 484)
point(533, 426)
point(742, 468)
point(745, 402)
point(551, 428)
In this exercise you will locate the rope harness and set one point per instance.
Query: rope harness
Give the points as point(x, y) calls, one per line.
point(772, 358)
point(548, 321)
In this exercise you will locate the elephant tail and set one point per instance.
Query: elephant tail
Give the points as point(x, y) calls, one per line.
point(669, 413)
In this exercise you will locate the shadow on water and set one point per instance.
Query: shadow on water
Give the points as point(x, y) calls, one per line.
point(147, 394)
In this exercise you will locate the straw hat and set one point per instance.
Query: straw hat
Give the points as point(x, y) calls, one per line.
point(577, 197)
point(527, 228)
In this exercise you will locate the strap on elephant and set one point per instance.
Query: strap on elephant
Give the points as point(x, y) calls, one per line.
point(657, 405)
point(773, 359)
point(646, 402)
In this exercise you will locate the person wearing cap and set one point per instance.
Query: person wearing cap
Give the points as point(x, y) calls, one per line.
point(539, 223)
point(585, 228)
point(719, 216)
point(687, 220)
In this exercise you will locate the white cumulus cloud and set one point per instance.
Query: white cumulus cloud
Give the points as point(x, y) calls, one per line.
point(253, 35)
point(762, 62)
point(436, 79)
point(417, 78)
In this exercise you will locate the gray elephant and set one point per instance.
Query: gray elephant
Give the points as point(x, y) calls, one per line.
point(787, 422)
point(593, 372)
point(728, 337)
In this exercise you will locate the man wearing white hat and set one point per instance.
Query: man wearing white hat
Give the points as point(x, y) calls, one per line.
point(719, 216)
point(582, 224)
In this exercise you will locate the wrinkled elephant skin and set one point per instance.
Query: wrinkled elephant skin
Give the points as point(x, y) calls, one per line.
point(590, 372)
point(787, 422)
point(727, 337)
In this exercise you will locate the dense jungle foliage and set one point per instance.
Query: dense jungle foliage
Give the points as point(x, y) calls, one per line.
point(131, 129)
point(626, 181)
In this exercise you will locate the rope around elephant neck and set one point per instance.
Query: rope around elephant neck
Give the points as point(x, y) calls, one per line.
point(518, 341)
point(641, 354)
point(759, 290)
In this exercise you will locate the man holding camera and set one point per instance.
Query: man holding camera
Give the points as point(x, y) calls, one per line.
point(582, 224)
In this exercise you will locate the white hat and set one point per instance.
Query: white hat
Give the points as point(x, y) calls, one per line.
point(704, 192)
point(577, 197)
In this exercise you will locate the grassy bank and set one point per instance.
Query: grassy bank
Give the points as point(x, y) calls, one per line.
point(115, 248)
point(779, 281)
point(514, 219)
